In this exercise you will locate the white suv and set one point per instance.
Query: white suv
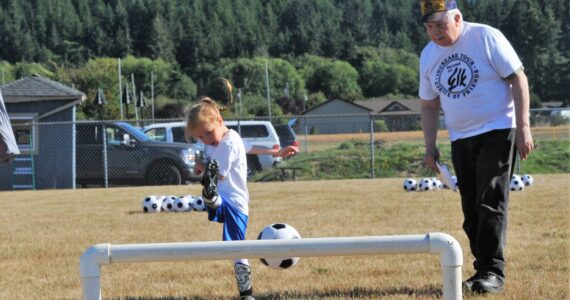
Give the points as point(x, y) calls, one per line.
point(256, 133)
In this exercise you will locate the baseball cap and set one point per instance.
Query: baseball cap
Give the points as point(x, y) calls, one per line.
point(434, 10)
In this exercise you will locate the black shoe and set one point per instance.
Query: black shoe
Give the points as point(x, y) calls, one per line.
point(488, 283)
point(210, 184)
point(468, 284)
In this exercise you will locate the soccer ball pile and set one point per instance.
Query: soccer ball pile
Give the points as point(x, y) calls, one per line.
point(279, 231)
point(518, 182)
point(170, 203)
point(425, 184)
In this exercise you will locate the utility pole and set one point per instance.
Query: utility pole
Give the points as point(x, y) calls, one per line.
point(120, 89)
point(267, 85)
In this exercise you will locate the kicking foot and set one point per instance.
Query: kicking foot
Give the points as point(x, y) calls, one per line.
point(210, 185)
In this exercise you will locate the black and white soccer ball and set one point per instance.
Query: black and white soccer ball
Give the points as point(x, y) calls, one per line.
point(168, 203)
point(198, 203)
point(527, 179)
point(182, 204)
point(279, 231)
point(436, 183)
point(151, 204)
point(410, 185)
point(517, 183)
point(425, 184)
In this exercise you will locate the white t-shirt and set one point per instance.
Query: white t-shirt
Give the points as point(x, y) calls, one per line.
point(469, 78)
point(230, 154)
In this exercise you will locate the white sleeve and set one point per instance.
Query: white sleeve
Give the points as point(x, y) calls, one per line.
point(502, 55)
point(425, 91)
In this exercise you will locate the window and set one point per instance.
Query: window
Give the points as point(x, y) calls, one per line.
point(25, 133)
point(114, 135)
point(157, 134)
point(178, 136)
point(251, 131)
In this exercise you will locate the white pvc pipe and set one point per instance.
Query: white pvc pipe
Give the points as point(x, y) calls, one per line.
point(445, 245)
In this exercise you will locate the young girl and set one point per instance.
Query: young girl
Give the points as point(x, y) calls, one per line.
point(224, 181)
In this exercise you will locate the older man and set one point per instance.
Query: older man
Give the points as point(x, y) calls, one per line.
point(473, 73)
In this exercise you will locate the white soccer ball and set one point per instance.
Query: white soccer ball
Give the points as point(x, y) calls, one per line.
point(198, 203)
point(279, 231)
point(517, 183)
point(410, 185)
point(182, 204)
point(151, 204)
point(436, 183)
point(425, 184)
point(168, 203)
point(527, 179)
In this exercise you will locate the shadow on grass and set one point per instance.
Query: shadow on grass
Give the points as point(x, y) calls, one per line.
point(354, 293)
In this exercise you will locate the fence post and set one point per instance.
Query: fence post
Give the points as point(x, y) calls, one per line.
point(306, 135)
point(105, 156)
point(371, 146)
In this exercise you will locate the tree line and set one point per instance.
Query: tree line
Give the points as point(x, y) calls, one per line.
point(311, 50)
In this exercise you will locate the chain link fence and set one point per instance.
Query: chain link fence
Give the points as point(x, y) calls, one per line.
point(117, 153)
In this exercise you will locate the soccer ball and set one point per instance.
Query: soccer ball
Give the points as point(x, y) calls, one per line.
point(517, 183)
point(168, 203)
point(410, 184)
point(279, 231)
point(436, 183)
point(151, 204)
point(527, 179)
point(198, 204)
point(425, 184)
point(182, 204)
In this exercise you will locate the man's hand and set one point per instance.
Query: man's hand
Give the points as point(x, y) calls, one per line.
point(524, 142)
point(430, 158)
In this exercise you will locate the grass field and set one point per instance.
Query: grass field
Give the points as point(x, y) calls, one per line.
point(45, 232)
point(320, 142)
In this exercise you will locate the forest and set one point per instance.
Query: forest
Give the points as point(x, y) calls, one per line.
point(297, 53)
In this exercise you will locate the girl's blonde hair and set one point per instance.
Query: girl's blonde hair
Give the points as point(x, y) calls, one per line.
point(202, 113)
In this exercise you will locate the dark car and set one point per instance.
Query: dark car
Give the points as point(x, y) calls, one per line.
point(286, 135)
point(120, 154)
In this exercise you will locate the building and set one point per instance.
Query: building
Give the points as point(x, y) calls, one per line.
point(47, 151)
point(340, 116)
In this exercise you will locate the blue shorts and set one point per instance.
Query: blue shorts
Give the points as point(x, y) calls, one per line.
point(235, 222)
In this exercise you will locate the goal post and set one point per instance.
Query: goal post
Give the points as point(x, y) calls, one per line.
point(447, 247)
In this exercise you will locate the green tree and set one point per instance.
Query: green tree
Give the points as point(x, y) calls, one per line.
point(337, 79)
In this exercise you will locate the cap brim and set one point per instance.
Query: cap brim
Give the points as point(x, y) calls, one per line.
point(435, 17)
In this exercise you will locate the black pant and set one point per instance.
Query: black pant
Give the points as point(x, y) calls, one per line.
point(483, 165)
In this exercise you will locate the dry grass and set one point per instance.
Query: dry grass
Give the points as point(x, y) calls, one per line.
point(45, 232)
point(319, 142)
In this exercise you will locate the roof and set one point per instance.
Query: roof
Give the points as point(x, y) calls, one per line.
point(332, 101)
point(401, 106)
point(38, 88)
point(380, 106)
